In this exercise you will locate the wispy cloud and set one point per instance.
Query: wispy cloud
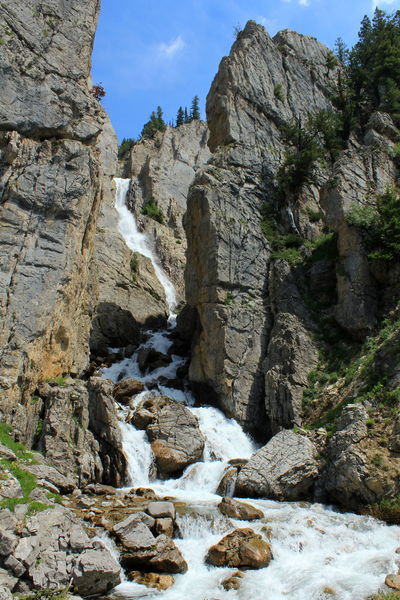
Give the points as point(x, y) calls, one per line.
point(170, 50)
point(271, 25)
point(376, 3)
point(304, 2)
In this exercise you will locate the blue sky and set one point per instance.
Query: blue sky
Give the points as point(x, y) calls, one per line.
point(163, 52)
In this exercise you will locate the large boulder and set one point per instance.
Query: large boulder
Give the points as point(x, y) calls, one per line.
point(283, 469)
point(51, 475)
point(241, 548)
point(176, 439)
point(239, 510)
point(163, 555)
point(124, 390)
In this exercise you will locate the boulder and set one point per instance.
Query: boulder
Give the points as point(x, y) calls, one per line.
point(150, 359)
point(164, 526)
point(176, 439)
point(283, 469)
point(393, 581)
point(152, 580)
point(241, 548)
point(10, 487)
point(124, 390)
point(232, 582)
point(47, 473)
point(95, 572)
point(162, 556)
point(133, 534)
point(161, 509)
point(226, 486)
point(239, 510)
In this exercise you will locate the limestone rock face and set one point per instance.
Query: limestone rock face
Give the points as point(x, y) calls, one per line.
point(67, 278)
point(228, 275)
point(162, 170)
point(241, 548)
point(284, 469)
point(80, 435)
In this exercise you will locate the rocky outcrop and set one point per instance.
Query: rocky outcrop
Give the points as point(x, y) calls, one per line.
point(79, 433)
point(348, 478)
point(54, 550)
point(228, 275)
point(241, 548)
point(68, 280)
point(162, 170)
point(284, 469)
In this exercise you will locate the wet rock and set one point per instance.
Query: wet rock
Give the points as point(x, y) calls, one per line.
point(142, 418)
point(241, 548)
point(162, 556)
point(226, 486)
point(150, 359)
point(152, 580)
point(176, 439)
point(393, 581)
point(127, 388)
point(164, 526)
point(99, 489)
point(239, 510)
point(283, 469)
point(233, 582)
point(161, 509)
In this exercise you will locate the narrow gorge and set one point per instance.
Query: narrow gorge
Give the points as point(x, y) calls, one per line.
point(199, 356)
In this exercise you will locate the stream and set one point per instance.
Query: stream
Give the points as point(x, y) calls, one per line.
point(317, 553)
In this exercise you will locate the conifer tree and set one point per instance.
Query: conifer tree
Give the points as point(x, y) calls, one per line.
point(186, 116)
point(155, 123)
point(180, 117)
point(195, 110)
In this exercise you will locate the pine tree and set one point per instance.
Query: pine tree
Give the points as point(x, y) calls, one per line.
point(180, 117)
point(195, 111)
point(186, 116)
point(155, 123)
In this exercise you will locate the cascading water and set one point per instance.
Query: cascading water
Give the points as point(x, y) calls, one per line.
point(318, 553)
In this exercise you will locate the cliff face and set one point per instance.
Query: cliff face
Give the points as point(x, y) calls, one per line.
point(230, 279)
point(162, 170)
point(262, 312)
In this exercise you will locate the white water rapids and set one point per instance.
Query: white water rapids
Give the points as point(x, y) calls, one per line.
point(317, 553)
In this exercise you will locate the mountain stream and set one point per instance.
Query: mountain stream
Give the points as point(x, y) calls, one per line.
point(317, 553)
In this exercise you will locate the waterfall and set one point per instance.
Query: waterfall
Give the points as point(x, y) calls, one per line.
point(138, 242)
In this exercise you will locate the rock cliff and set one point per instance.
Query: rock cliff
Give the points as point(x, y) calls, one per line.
point(162, 170)
point(66, 278)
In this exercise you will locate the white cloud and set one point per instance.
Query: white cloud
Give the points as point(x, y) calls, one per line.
point(376, 3)
point(271, 25)
point(170, 50)
point(304, 2)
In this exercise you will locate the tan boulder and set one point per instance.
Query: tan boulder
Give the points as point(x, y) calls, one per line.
point(393, 581)
point(124, 390)
point(239, 510)
point(241, 548)
point(152, 580)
